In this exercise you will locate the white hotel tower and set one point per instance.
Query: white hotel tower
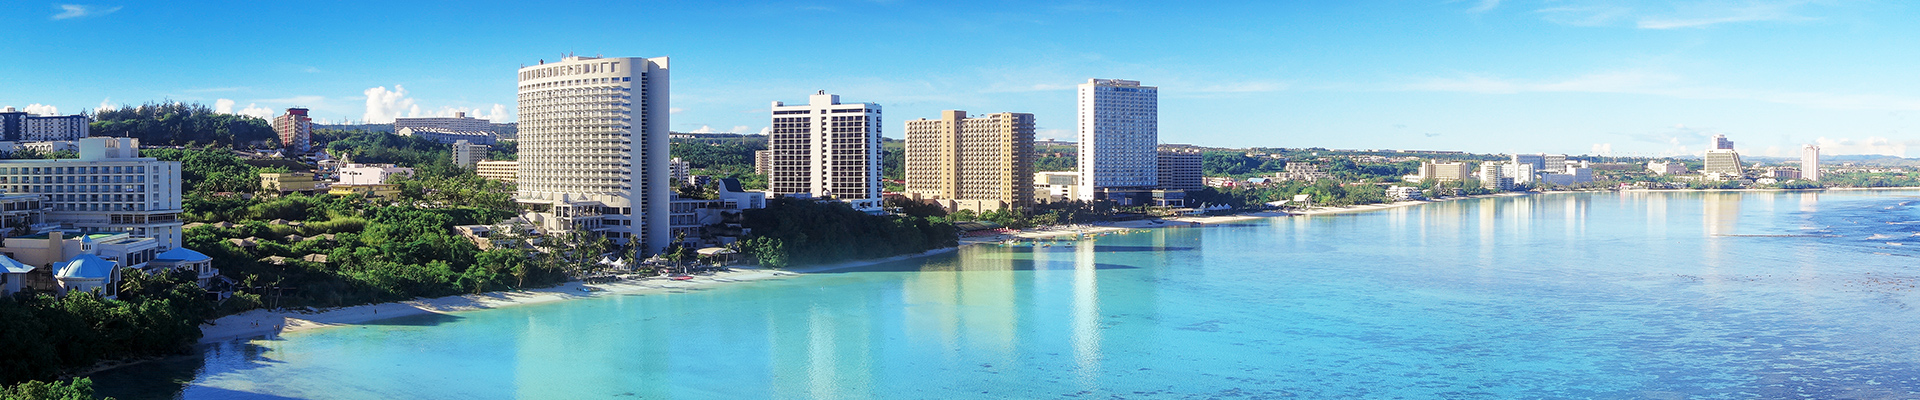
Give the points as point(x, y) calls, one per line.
point(827, 148)
point(1119, 126)
point(593, 147)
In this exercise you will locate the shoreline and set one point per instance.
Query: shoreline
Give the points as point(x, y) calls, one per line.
point(270, 323)
point(1400, 204)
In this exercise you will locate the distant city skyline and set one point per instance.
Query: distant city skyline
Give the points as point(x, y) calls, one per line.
point(1638, 78)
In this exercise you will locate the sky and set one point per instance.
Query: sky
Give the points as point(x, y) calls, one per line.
point(1598, 77)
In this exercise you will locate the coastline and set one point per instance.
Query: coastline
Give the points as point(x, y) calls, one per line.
point(274, 322)
point(1399, 204)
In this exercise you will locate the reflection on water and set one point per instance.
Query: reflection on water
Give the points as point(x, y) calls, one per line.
point(1617, 295)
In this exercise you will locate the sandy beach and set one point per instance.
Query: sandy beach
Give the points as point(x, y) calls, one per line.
point(271, 322)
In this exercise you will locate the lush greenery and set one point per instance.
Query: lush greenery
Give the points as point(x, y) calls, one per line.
point(47, 336)
point(722, 160)
point(1866, 179)
point(804, 232)
point(424, 156)
point(1238, 164)
point(77, 389)
point(210, 170)
point(375, 250)
point(176, 124)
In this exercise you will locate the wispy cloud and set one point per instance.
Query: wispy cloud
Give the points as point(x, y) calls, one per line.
point(1670, 15)
point(1714, 14)
point(1484, 6)
point(68, 11)
point(1659, 84)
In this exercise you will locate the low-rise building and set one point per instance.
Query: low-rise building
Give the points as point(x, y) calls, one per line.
point(1441, 172)
point(1666, 168)
point(468, 154)
point(370, 174)
point(291, 182)
point(82, 261)
point(1405, 193)
point(1052, 186)
point(1301, 171)
point(183, 258)
point(1783, 173)
point(691, 218)
point(504, 171)
point(50, 147)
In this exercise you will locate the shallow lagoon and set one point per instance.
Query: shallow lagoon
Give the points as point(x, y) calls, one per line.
point(1612, 295)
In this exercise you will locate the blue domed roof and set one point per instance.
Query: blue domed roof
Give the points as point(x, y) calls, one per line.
point(87, 266)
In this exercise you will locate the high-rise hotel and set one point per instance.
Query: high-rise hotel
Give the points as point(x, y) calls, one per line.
point(1119, 129)
point(1810, 162)
point(593, 147)
point(295, 129)
point(825, 148)
point(981, 163)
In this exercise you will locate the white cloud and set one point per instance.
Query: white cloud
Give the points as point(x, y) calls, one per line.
point(42, 109)
point(82, 10)
point(705, 129)
point(675, 110)
point(1056, 134)
point(383, 105)
point(256, 112)
point(106, 104)
point(1602, 149)
point(766, 130)
point(740, 129)
point(225, 106)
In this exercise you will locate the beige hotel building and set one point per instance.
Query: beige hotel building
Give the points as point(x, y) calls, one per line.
point(982, 163)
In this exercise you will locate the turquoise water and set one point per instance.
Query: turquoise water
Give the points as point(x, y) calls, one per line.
point(1627, 296)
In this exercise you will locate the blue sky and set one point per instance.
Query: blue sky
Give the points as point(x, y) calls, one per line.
point(1563, 76)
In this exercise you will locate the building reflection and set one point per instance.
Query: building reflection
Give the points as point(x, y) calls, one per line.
point(1086, 317)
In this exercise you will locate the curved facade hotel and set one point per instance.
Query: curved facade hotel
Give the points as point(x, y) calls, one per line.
point(593, 147)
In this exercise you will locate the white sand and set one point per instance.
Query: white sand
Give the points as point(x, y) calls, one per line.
point(265, 322)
